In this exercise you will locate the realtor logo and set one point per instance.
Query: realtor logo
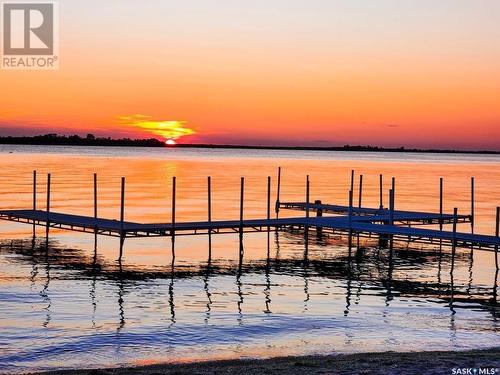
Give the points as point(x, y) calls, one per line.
point(30, 35)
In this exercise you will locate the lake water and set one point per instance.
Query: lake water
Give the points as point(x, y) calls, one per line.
point(68, 303)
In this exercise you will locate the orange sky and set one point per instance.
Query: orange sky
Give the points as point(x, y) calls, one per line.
point(395, 73)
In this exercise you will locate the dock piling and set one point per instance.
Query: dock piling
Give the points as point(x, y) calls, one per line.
point(209, 194)
point(95, 211)
point(497, 234)
point(350, 212)
point(383, 239)
point(380, 190)
point(391, 207)
point(268, 206)
point(122, 204)
point(34, 201)
point(278, 190)
point(306, 226)
point(95, 195)
point(454, 241)
point(34, 190)
point(350, 222)
point(174, 189)
point(319, 213)
point(122, 217)
point(441, 203)
point(472, 204)
point(209, 209)
point(307, 196)
point(242, 195)
point(360, 190)
point(455, 220)
point(48, 206)
point(352, 179)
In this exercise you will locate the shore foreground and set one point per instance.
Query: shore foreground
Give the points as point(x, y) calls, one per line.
point(365, 363)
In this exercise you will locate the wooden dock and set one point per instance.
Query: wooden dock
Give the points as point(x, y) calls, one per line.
point(379, 214)
point(385, 223)
point(115, 228)
point(365, 224)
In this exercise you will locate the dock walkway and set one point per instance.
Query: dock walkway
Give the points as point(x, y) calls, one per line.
point(363, 221)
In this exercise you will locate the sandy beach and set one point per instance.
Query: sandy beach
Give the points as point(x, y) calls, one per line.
point(364, 363)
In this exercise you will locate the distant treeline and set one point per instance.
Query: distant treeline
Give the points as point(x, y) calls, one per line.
point(343, 148)
point(91, 140)
point(76, 140)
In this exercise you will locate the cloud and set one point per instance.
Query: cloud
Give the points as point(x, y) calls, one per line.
point(170, 129)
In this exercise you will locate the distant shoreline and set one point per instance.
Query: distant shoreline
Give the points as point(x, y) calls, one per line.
point(90, 140)
point(340, 148)
point(392, 363)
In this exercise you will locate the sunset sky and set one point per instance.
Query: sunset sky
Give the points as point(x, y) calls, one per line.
point(421, 73)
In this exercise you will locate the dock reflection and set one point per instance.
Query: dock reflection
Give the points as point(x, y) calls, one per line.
point(171, 301)
point(356, 267)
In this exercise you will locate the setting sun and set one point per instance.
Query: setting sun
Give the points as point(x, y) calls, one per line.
point(170, 142)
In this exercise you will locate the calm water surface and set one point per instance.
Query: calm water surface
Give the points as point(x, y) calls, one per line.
point(67, 302)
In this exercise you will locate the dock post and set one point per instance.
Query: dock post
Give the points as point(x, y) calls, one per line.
point(391, 207)
point(360, 190)
point(34, 201)
point(242, 195)
point(268, 208)
point(391, 212)
point(350, 220)
point(268, 219)
point(307, 197)
point(209, 193)
point(441, 203)
point(497, 233)
point(48, 207)
point(380, 189)
point(350, 210)
point(95, 209)
point(34, 190)
point(454, 243)
point(122, 204)
point(455, 219)
point(122, 217)
point(174, 186)
point(306, 226)
point(352, 180)
point(319, 213)
point(278, 190)
point(393, 187)
point(209, 196)
point(95, 195)
point(383, 239)
point(472, 204)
